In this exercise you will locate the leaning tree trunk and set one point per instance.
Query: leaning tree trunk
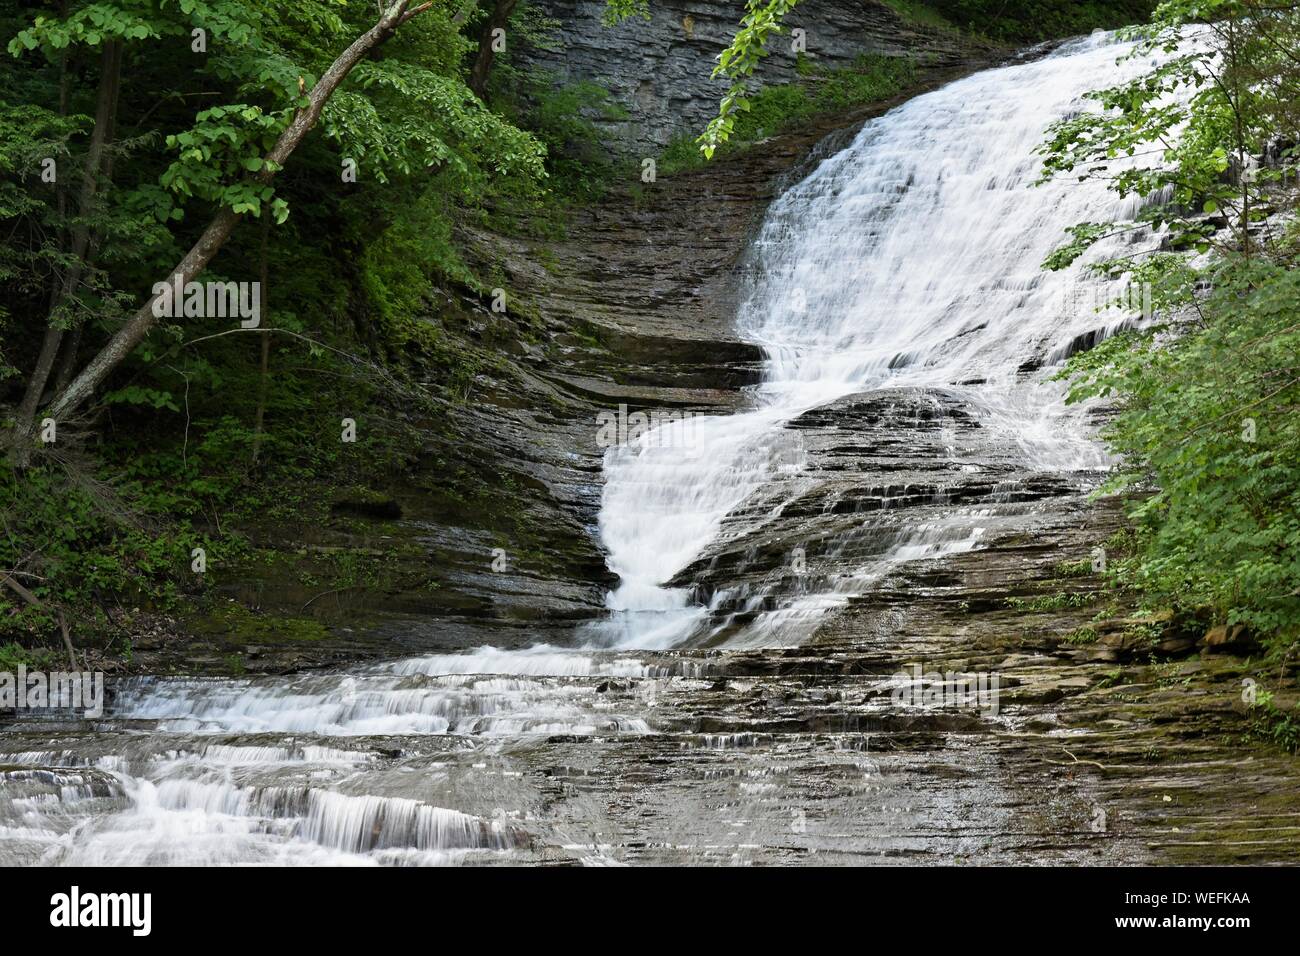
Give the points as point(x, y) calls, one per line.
point(125, 340)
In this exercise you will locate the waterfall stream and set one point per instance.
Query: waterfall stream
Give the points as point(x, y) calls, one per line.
point(909, 258)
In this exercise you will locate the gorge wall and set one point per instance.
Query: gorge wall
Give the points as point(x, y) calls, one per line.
point(659, 70)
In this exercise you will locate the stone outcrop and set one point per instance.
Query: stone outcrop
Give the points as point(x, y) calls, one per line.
point(659, 70)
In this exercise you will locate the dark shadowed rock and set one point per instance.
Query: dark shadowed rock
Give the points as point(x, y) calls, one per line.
point(1229, 639)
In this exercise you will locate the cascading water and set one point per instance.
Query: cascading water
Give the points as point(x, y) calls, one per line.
point(911, 257)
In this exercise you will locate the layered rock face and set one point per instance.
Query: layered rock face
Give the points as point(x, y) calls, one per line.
point(634, 307)
point(659, 70)
point(884, 474)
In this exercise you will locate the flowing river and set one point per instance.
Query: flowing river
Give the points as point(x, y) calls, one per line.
point(909, 258)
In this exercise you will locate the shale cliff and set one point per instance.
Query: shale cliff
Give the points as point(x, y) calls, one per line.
point(659, 70)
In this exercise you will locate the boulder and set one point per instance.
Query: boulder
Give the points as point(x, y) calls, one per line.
point(1228, 639)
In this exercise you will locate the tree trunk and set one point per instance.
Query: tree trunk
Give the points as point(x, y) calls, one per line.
point(260, 415)
point(96, 163)
point(224, 222)
point(68, 358)
point(478, 75)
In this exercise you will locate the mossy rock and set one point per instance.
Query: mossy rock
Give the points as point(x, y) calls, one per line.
point(236, 625)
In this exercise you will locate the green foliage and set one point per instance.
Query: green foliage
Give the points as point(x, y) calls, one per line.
point(1025, 21)
point(397, 268)
point(617, 11)
point(870, 79)
point(681, 154)
point(822, 91)
point(350, 275)
point(13, 654)
point(920, 13)
point(411, 118)
point(1273, 724)
point(92, 25)
point(1215, 443)
point(235, 623)
point(738, 62)
point(561, 116)
point(1054, 602)
point(1082, 635)
point(1073, 569)
point(225, 143)
point(1206, 428)
point(83, 549)
point(772, 110)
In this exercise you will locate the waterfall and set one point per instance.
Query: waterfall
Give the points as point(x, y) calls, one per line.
point(912, 257)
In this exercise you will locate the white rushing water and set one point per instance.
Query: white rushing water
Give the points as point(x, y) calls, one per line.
point(910, 257)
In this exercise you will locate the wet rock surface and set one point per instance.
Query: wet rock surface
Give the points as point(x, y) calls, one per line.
point(778, 755)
